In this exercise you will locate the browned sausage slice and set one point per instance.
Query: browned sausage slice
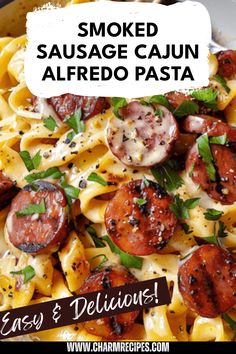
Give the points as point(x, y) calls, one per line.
point(144, 136)
point(227, 63)
point(207, 281)
point(116, 326)
point(138, 218)
point(7, 190)
point(38, 232)
point(176, 98)
point(201, 123)
point(224, 188)
point(67, 104)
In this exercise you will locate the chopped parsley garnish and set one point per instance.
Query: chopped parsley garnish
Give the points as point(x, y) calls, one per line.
point(186, 228)
point(159, 112)
point(222, 81)
point(75, 122)
point(185, 108)
point(221, 230)
point(70, 191)
point(207, 96)
point(103, 261)
point(28, 273)
point(126, 259)
point(32, 209)
point(69, 137)
point(167, 176)
point(191, 170)
point(160, 99)
point(145, 182)
point(50, 123)
point(221, 233)
point(30, 163)
point(205, 152)
point(212, 214)
point(229, 320)
point(117, 103)
point(94, 177)
point(181, 207)
point(139, 201)
point(52, 172)
point(97, 241)
point(219, 140)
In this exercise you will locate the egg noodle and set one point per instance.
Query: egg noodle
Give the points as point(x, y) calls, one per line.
point(23, 129)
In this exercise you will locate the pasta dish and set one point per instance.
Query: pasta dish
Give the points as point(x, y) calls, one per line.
point(99, 192)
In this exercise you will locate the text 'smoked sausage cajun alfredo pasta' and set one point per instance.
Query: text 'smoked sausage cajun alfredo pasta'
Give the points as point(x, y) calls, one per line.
point(155, 177)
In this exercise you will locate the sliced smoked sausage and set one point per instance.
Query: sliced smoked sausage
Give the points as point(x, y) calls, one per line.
point(7, 190)
point(202, 123)
point(139, 219)
point(227, 63)
point(67, 104)
point(113, 327)
point(207, 281)
point(224, 188)
point(176, 98)
point(144, 136)
point(38, 232)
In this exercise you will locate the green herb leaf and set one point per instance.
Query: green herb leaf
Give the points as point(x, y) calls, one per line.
point(52, 172)
point(180, 207)
point(33, 163)
point(37, 159)
point(186, 228)
point(97, 240)
point(117, 103)
point(50, 123)
point(219, 140)
point(207, 96)
point(212, 214)
point(139, 201)
point(167, 176)
point(229, 320)
point(104, 260)
point(211, 239)
point(28, 273)
point(221, 230)
point(75, 122)
point(94, 177)
point(185, 108)
point(70, 137)
point(32, 209)
point(145, 182)
point(159, 112)
point(70, 191)
point(191, 170)
point(205, 152)
point(126, 259)
point(222, 81)
point(162, 100)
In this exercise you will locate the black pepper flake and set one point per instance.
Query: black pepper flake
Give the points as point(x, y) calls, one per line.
point(192, 280)
point(124, 138)
point(21, 132)
point(10, 294)
point(83, 183)
point(70, 165)
point(72, 145)
point(133, 221)
point(63, 159)
point(74, 152)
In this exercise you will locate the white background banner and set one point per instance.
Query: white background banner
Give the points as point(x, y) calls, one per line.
point(117, 49)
